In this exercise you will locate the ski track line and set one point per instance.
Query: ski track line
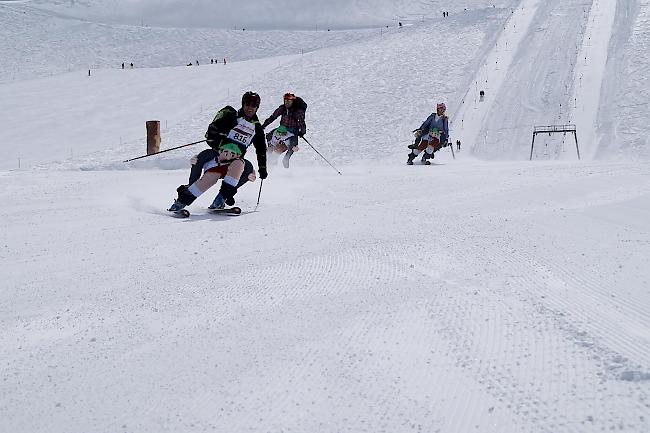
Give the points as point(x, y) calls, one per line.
point(465, 339)
point(462, 345)
point(472, 118)
point(535, 271)
point(495, 256)
point(583, 310)
point(560, 277)
point(608, 198)
point(557, 275)
point(589, 72)
point(520, 395)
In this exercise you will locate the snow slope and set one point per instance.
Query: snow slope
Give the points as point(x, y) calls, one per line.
point(624, 130)
point(42, 44)
point(515, 300)
point(505, 296)
point(377, 118)
point(538, 84)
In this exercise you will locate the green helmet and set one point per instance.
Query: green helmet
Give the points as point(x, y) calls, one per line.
point(232, 147)
point(282, 129)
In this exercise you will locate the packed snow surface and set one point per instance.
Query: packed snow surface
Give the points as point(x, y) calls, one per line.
point(483, 293)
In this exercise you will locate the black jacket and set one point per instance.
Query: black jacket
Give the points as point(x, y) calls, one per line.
point(224, 121)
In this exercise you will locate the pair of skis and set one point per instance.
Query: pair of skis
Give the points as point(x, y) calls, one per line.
point(425, 161)
point(184, 213)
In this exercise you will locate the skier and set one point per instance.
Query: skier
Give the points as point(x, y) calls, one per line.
point(431, 135)
point(293, 120)
point(229, 135)
point(280, 140)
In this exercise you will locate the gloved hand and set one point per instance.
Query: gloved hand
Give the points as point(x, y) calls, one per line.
point(301, 132)
point(263, 172)
point(417, 133)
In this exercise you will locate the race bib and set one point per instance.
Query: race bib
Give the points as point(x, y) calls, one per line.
point(242, 133)
point(279, 137)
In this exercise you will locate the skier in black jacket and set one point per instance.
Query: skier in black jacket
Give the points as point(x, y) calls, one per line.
point(229, 136)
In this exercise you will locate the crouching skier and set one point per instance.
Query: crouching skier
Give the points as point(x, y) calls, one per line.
point(292, 126)
point(281, 140)
point(229, 135)
point(430, 136)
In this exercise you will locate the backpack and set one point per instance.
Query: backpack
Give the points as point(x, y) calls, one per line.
point(300, 104)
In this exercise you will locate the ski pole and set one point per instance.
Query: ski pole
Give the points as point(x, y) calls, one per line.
point(320, 154)
point(259, 194)
point(166, 150)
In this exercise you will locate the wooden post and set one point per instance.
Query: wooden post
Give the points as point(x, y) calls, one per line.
point(153, 136)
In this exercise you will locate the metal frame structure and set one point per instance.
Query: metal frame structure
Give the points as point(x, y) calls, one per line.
point(550, 129)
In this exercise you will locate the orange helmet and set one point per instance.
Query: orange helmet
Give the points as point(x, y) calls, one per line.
point(290, 96)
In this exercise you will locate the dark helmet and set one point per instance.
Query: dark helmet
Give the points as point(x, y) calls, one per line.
point(251, 98)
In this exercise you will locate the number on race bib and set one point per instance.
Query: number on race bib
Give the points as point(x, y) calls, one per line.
point(243, 139)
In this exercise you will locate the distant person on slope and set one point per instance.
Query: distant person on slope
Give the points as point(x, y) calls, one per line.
point(229, 136)
point(430, 136)
point(292, 125)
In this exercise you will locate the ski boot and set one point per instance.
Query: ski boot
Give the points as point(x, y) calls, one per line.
point(411, 158)
point(287, 156)
point(218, 203)
point(176, 206)
point(426, 157)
